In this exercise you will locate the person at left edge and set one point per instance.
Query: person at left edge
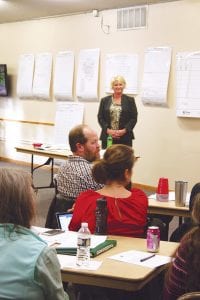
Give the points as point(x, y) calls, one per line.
point(117, 115)
point(29, 269)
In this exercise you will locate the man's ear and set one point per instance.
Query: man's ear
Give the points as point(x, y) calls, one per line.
point(80, 147)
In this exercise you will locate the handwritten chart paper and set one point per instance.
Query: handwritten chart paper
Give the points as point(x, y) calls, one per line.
point(42, 75)
point(68, 115)
point(125, 65)
point(63, 78)
point(87, 77)
point(156, 75)
point(188, 84)
point(25, 76)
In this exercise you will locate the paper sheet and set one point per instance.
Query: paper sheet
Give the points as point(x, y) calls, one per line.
point(134, 257)
point(156, 75)
point(172, 197)
point(68, 261)
point(25, 75)
point(63, 78)
point(188, 88)
point(68, 239)
point(68, 115)
point(125, 65)
point(42, 75)
point(87, 77)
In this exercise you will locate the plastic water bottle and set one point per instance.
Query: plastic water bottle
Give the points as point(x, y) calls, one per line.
point(83, 246)
point(109, 141)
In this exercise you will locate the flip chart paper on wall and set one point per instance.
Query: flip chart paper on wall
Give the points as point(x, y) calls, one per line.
point(87, 77)
point(63, 78)
point(188, 84)
point(156, 75)
point(68, 115)
point(125, 65)
point(25, 75)
point(42, 75)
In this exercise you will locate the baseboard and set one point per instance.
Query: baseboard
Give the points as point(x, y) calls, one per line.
point(24, 163)
point(17, 162)
point(145, 187)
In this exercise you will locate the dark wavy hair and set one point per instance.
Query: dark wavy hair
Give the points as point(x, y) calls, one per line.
point(16, 197)
point(193, 248)
point(116, 160)
point(195, 190)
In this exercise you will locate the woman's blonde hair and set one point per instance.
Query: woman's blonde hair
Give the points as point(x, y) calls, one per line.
point(119, 79)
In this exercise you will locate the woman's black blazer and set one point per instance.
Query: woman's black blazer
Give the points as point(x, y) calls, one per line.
point(128, 117)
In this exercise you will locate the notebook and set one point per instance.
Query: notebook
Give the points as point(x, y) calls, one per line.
point(63, 220)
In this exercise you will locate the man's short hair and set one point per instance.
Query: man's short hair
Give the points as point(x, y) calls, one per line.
point(76, 135)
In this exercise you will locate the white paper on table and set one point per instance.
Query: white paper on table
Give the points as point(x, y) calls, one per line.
point(68, 261)
point(68, 239)
point(134, 257)
point(172, 197)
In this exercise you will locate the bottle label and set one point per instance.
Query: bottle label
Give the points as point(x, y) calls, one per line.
point(83, 242)
point(109, 141)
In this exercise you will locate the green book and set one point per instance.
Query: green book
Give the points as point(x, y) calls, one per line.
point(108, 244)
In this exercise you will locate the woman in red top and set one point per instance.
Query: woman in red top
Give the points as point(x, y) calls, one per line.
point(127, 210)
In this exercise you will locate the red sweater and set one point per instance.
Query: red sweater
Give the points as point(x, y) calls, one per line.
point(126, 216)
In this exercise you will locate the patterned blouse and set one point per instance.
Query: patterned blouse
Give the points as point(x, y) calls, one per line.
point(115, 112)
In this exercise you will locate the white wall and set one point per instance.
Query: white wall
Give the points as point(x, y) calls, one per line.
point(168, 146)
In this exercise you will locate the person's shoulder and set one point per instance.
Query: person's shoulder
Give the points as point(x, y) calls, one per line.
point(128, 98)
point(87, 194)
point(139, 194)
point(106, 98)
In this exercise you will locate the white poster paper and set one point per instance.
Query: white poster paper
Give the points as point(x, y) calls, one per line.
point(42, 75)
point(68, 115)
point(156, 75)
point(188, 84)
point(87, 78)
point(63, 78)
point(125, 65)
point(25, 75)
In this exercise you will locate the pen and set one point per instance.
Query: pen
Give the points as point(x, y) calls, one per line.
point(146, 258)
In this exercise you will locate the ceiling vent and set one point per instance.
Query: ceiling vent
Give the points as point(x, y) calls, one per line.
point(132, 17)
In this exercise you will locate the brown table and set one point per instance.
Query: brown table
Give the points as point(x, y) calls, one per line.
point(116, 274)
point(50, 154)
point(167, 208)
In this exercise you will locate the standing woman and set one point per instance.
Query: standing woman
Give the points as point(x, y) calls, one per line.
point(117, 115)
point(29, 269)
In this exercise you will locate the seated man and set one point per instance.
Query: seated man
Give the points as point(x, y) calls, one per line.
point(75, 176)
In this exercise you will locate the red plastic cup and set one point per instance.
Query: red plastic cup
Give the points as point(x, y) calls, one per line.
point(162, 193)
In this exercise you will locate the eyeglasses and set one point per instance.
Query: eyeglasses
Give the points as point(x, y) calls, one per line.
point(35, 190)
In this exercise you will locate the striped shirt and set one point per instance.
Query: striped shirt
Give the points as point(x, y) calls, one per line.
point(177, 278)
